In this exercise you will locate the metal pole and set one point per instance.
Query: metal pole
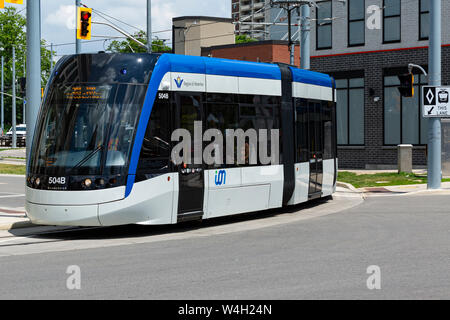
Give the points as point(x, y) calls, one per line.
point(77, 41)
point(33, 69)
point(149, 25)
point(434, 124)
point(291, 46)
point(24, 101)
point(305, 43)
point(51, 57)
point(2, 99)
point(14, 136)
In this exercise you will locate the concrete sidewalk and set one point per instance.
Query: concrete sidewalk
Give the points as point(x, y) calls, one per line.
point(13, 156)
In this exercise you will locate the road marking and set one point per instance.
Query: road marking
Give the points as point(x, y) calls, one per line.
point(13, 196)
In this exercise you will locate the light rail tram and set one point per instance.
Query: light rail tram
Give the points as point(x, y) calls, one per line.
point(101, 153)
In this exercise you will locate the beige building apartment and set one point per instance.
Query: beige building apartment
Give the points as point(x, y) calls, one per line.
point(192, 33)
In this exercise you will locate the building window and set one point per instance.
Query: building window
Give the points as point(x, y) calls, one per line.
point(356, 22)
point(350, 111)
point(403, 121)
point(324, 26)
point(424, 19)
point(391, 21)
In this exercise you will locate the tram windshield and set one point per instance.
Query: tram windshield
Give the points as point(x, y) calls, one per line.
point(87, 129)
point(90, 114)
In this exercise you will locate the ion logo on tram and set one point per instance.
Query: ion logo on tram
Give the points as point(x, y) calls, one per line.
point(221, 177)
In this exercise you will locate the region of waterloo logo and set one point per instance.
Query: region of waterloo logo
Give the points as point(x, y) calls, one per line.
point(179, 82)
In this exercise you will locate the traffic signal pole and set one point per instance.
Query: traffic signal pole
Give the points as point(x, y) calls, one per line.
point(33, 69)
point(434, 124)
point(149, 25)
point(14, 133)
point(77, 41)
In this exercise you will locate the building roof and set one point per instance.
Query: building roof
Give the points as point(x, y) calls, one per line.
point(250, 44)
point(218, 19)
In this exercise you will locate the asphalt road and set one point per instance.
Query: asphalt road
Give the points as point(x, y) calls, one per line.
point(12, 191)
point(323, 257)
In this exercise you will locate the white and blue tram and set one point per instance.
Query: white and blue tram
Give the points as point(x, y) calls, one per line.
point(101, 152)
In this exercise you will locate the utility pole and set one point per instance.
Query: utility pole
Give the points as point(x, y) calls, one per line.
point(289, 6)
point(149, 25)
point(77, 41)
point(33, 68)
point(2, 99)
point(305, 29)
point(24, 100)
point(434, 124)
point(14, 135)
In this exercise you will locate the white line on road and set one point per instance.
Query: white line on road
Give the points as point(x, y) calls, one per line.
point(17, 195)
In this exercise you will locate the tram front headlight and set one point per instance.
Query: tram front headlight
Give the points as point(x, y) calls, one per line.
point(101, 182)
point(87, 183)
point(37, 182)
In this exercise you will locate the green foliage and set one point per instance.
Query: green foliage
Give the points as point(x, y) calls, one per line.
point(382, 179)
point(244, 39)
point(13, 34)
point(12, 169)
point(129, 46)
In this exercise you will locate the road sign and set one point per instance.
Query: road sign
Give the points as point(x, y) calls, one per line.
point(2, 4)
point(15, 1)
point(435, 102)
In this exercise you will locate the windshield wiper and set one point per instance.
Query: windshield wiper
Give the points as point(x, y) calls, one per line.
point(86, 158)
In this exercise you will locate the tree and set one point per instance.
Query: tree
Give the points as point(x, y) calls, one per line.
point(128, 45)
point(244, 39)
point(13, 34)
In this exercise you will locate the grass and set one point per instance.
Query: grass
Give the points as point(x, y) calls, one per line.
point(382, 179)
point(12, 169)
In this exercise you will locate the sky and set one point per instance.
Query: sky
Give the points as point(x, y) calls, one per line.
point(57, 19)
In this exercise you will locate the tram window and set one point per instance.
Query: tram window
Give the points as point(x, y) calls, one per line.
point(328, 130)
point(302, 130)
point(222, 116)
point(155, 153)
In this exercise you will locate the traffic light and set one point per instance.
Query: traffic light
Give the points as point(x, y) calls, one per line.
point(406, 85)
point(84, 23)
point(23, 84)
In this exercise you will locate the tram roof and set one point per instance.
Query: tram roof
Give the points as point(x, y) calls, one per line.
point(237, 68)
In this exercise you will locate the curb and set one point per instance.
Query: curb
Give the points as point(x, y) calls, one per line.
point(347, 186)
point(16, 225)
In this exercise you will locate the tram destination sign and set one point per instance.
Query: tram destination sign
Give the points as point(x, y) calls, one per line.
point(436, 102)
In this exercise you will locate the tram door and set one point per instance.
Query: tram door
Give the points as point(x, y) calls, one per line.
point(191, 176)
point(315, 149)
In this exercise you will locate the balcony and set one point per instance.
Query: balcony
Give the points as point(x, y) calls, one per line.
point(258, 16)
point(258, 5)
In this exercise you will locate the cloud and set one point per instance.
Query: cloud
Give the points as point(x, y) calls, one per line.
point(63, 17)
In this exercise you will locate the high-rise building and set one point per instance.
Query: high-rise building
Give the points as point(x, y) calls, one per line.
point(253, 18)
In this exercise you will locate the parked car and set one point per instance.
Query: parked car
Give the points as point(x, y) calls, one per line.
point(21, 131)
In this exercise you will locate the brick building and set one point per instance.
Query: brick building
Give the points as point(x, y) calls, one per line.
point(261, 51)
point(372, 117)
